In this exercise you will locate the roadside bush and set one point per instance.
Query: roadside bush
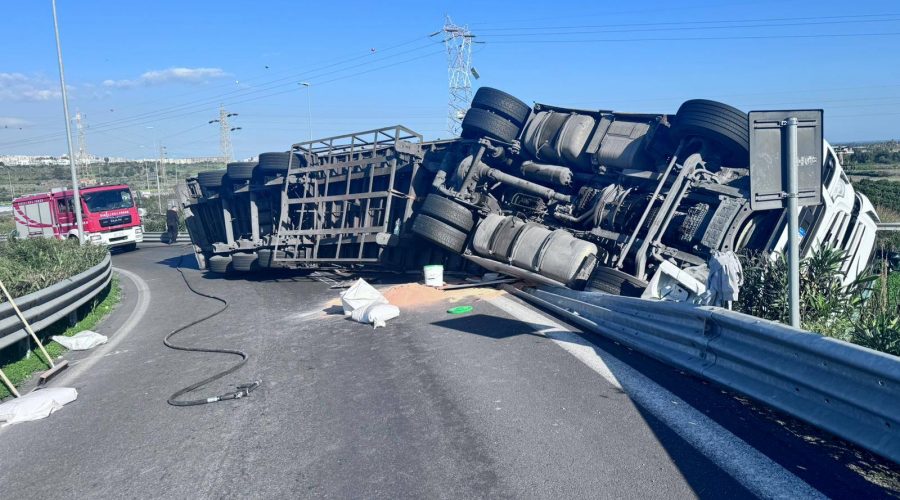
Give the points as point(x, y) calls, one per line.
point(155, 223)
point(866, 312)
point(29, 265)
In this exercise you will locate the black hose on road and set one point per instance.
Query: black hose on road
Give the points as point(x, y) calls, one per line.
point(242, 390)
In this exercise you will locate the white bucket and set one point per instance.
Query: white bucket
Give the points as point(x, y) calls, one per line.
point(434, 275)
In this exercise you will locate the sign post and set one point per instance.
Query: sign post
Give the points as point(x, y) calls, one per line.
point(786, 157)
point(793, 222)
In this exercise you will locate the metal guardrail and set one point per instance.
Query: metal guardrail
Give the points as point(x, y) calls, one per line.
point(155, 237)
point(45, 307)
point(888, 226)
point(149, 237)
point(848, 390)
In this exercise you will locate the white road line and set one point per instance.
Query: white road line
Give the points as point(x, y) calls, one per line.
point(755, 471)
point(137, 314)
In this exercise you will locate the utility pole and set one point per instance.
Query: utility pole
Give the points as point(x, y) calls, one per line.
point(458, 42)
point(158, 189)
point(76, 194)
point(162, 161)
point(225, 133)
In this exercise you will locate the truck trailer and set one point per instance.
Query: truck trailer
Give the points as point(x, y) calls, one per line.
point(626, 203)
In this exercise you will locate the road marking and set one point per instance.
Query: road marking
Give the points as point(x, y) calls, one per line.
point(137, 314)
point(755, 471)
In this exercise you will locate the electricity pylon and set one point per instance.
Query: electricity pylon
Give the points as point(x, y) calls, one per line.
point(225, 133)
point(458, 42)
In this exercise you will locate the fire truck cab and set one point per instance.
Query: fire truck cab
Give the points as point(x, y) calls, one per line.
point(109, 215)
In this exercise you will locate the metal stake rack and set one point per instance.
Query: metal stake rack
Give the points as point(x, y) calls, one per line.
point(341, 192)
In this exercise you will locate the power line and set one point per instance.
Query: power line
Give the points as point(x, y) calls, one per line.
point(846, 18)
point(197, 107)
point(589, 30)
point(684, 39)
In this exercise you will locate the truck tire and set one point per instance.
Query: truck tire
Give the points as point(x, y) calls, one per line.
point(615, 282)
point(211, 179)
point(720, 123)
point(480, 123)
point(244, 261)
point(277, 163)
point(240, 170)
point(219, 264)
point(439, 233)
point(503, 104)
point(446, 210)
point(266, 257)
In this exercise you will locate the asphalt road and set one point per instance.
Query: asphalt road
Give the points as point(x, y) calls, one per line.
point(502, 402)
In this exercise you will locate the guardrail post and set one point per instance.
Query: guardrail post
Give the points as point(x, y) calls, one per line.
point(791, 166)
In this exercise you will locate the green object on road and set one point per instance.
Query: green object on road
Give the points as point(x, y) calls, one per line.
point(459, 309)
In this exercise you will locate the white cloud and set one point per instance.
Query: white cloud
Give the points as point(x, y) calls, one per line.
point(20, 87)
point(12, 121)
point(161, 76)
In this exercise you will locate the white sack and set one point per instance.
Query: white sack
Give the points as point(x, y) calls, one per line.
point(377, 314)
point(81, 341)
point(36, 405)
point(359, 295)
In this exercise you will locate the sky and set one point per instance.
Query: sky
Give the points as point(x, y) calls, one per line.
point(149, 73)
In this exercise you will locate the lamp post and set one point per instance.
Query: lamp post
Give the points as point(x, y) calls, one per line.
point(76, 194)
point(308, 109)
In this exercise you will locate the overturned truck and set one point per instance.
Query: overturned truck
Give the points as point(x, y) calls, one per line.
point(631, 204)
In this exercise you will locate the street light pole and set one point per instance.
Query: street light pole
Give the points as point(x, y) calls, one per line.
point(308, 109)
point(76, 194)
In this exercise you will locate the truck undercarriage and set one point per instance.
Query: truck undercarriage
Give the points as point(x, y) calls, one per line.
point(630, 204)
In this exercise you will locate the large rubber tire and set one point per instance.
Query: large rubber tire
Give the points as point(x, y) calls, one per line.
point(244, 261)
point(241, 170)
point(725, 125)
point(481, 123)
point(439, 233)
point(211, 179)
point(277, 163)
point(220, 264)
point(613, 281)
point(266, 257)
point(449, 211)
point(503, 104)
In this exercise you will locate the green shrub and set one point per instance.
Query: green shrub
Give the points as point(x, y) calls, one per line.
point(866, 312)
point(29, 265)
point(155, 223)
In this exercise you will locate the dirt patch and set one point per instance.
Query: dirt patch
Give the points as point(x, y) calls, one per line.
point(415, 294)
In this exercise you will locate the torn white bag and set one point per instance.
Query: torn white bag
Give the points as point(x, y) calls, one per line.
point(377, 314)
point(81, 341)
point(36, 405)
point(360, 294)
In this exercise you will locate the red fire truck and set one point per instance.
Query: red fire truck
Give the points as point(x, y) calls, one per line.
point(109, 214)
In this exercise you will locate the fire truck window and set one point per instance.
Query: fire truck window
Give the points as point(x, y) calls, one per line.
point(99, 201)
point(64, 205)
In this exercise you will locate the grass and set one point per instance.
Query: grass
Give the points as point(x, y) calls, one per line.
point(7, 224)
point(29, 265)
point(19, 371)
